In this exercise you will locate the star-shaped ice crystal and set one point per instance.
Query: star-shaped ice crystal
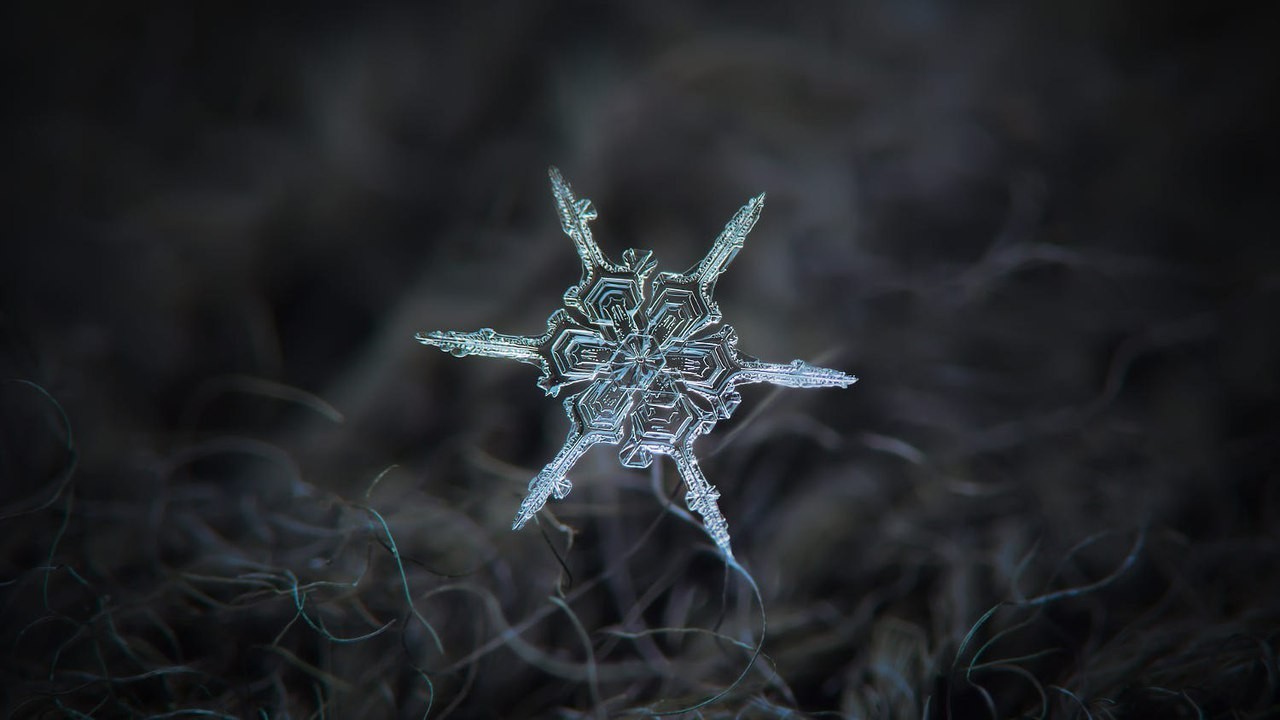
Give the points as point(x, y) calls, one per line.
point(652, 371)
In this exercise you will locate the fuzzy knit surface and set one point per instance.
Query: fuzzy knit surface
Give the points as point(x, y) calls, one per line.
point(1042, 234)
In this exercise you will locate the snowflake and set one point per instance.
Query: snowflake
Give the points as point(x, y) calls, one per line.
point(653, 370)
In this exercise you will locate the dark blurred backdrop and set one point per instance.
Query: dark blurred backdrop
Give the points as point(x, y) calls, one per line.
point(1041, 233)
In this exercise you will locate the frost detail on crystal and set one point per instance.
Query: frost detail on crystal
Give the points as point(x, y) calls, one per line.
point(654, 373)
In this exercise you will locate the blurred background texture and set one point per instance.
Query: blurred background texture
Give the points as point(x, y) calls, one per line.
point(1041, 233)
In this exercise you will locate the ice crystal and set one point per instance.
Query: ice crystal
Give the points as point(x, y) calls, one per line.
point(653, 371)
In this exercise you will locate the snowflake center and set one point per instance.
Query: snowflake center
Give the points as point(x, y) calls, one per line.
point(636, 362)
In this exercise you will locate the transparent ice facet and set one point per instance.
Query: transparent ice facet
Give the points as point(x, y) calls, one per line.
point(647, 366)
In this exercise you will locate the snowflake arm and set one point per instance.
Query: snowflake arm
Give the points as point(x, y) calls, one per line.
point(726, 247)
point(796, 374)
point(683, 302)
point(567, 353)
point(553, 481)
point(486, 342)
point(654, 376)
point(575, 218)
point(701, 497)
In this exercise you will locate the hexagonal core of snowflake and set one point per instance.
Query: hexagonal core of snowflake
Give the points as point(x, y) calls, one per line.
point(636, 362)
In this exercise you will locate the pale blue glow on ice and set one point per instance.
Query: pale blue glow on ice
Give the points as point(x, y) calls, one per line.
point(650, 369)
